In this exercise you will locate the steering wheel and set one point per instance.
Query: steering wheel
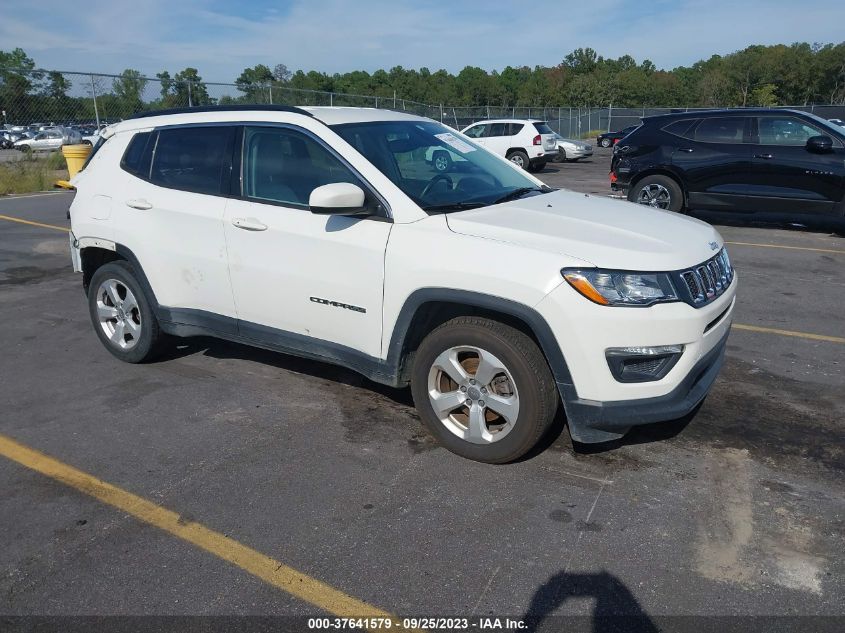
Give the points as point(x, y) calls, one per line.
point(433, 181)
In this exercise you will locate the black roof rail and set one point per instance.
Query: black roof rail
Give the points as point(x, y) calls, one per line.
point(221, 108)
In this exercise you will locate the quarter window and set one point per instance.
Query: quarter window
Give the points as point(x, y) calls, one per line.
point(681, 128)
point(785, 131)
point(133, 158)
point(285, 166)
point(721, 130)
point(193, 158)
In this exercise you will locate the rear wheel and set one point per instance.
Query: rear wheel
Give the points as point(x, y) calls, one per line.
point(122, 315)
point(606, 142)
point(519, 158)
point(483, 389)
point(661, 192)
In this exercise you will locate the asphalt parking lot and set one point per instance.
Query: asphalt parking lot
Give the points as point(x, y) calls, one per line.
point(271, 460)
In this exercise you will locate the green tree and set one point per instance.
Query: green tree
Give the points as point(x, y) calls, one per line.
point(254, 82)
point(129, 88)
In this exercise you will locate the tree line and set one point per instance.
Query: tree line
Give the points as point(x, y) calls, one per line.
point(796, 74)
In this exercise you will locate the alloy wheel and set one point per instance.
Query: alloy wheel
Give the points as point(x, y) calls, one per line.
point(119, 314)
point(655, 195)
point(473, 394)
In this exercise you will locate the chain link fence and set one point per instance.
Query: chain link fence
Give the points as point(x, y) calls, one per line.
point(41, 98)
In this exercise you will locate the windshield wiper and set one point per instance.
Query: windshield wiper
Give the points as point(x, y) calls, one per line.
point(518, 193)
point(454, 206)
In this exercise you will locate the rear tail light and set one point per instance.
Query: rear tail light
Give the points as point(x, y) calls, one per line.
point(612, 177)
point(538, 140)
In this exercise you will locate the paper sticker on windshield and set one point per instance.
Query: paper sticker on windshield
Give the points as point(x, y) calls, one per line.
point(455, 142)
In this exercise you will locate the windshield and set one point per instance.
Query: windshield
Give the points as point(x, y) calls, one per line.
point(436, 167)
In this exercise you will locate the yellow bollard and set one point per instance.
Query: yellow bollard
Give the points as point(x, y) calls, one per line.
point(75, 155)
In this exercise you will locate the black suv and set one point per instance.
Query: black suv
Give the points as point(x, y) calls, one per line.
point(786, 164)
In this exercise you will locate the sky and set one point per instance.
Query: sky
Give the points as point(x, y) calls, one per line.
point(222, 38)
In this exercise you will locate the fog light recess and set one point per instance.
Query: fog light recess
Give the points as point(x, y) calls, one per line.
point(642, 364)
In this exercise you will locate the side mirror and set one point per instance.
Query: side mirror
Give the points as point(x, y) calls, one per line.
point(337, 198)
point(819, 144)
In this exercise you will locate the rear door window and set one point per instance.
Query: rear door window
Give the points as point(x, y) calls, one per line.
point(721, 130)
point(498, 129)
point(193, 158)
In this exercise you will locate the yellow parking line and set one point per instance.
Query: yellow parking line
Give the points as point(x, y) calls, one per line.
point(267, 569)
point(807, 335)
point(31, 223)
point(791, 248)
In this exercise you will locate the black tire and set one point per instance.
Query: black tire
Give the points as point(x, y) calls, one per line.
point(670, 185)
point(519, 158)
point(441, 161)
point(533, 385)
point(561, 156)
point(148, 343)
point(605, 142)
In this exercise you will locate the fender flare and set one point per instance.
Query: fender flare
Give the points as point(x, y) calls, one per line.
point(541, 330)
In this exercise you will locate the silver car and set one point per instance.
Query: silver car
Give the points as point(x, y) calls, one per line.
point(49, 140)
point(571, 150)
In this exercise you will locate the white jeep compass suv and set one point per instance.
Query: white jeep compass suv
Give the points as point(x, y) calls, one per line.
point(528, 143)
point(325, 233)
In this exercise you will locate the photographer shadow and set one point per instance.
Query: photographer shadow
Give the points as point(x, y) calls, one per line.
point(616, 608)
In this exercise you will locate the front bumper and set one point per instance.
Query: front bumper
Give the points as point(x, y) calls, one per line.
point(590, 421)
point(578, 153)
point(598, 406)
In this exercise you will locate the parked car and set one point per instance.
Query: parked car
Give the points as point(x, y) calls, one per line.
point(611, 138)
point(571, 150)
point(779, 162)
point(529, 144)
point(6, 141)
point(49, 140)
point(492, 295)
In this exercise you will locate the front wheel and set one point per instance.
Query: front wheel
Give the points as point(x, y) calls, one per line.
point(483, 389)
point(658, 191)
point(442, 161)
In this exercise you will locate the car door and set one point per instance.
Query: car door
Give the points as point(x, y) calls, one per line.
point(792, 177)
point(168, 199)
point(714, 159)
point(301, 279)
point(497, 138)
point(477, 132)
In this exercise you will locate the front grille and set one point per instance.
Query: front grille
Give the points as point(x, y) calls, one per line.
point(708, 280)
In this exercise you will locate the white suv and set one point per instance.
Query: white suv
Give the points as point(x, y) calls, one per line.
point(325, 233)
point(527, 143)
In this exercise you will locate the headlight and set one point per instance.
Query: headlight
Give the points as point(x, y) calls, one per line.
point(621, 288)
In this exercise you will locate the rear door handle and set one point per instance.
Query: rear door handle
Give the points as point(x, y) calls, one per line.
point(688, 150)
point(764, 156)
point(139, 203)
point(249, 224)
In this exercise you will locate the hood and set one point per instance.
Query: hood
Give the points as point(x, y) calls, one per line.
point(605, 232)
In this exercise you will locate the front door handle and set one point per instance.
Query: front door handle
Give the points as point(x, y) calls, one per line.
point(764, 156)
point(688, 150)
point(249, 224)
point(139, 203)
